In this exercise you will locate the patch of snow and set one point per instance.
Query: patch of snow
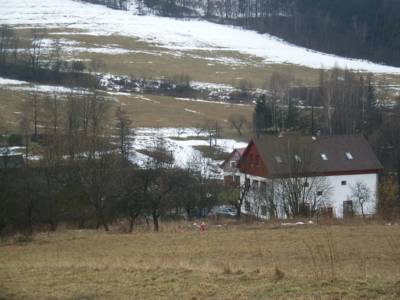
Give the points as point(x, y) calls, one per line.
point(193, 111)
point(222, 60)
point(147, 99)
point(119, 93)
point(6, 81)
point(293, 224)
point(100, 50)
point(43, 89)
point(199, 85)
point(183, 150)
point(171, 33)
point(210, 102)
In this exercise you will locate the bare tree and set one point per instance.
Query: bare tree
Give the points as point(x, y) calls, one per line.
point(26, 129)
point(237, 121)
point(124, 130)
point(361, 194)
point(159, 180)
point(33, 101)
point(199, 129)
point(36, 47)
point(7, 38)
point(301, 192)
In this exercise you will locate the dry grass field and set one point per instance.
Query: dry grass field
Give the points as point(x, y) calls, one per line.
point(163, 111)
point(151, 60)
point(228, 262)
point(146, 111)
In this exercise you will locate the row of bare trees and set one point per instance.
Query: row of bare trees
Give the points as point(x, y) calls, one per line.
point(343, 102)
point(40, 59)
point(80, 168)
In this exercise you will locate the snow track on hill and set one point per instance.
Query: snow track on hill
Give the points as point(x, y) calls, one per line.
point(171, 33)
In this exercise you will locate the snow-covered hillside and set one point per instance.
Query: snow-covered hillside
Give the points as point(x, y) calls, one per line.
point(170, 33)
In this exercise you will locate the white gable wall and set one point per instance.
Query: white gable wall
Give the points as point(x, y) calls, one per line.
point(342, 193)
point(337, 195)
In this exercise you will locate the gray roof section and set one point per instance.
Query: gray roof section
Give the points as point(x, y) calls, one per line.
point(290, 154)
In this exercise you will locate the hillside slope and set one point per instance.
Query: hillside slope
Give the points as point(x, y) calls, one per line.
point(171, 33)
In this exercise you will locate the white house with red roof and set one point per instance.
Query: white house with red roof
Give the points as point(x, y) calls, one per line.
point(283, 175)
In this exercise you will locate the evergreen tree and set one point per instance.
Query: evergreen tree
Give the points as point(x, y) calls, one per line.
point(292, 115)
point(262, 116)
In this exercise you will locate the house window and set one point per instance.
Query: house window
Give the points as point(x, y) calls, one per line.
point(323, 156)
point(278, 159)
point(263, 210)
point(297, 158)
point(233, 164)
point(263, 187)
point(349, 156)
point(319, 193)
point(237, 179)
point(247, 206)
point(247, 183)
point(255, 184)
point(344, 182)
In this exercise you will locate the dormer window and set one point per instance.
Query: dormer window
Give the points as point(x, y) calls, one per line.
point(278, 159)
point(349, 156)
point(297, 158)
point(323, 156)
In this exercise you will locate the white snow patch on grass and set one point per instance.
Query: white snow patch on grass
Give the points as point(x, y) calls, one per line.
point(193, 111)
point(119, 93)
point(172, 33)
point(6, 81)
point(183, 151)
point(211, 101)
point(147, 99)
point(43, 89)
point(199, 85)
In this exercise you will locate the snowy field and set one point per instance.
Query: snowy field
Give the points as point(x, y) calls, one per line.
point(179, 35)
point(182, 150)
point(23, 86)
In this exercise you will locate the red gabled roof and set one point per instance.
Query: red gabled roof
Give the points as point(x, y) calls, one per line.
point(239, 150)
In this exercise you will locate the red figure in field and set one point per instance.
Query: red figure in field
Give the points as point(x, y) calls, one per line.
point(203, 227)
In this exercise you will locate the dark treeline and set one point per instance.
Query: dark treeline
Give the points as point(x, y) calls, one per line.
point(83, 174)
point(343, 103)
point(355, 28)
point(32, 60)
point(115, 4)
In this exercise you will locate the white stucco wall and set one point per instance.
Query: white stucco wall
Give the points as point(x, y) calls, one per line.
point(342, 193)
point(337, 194)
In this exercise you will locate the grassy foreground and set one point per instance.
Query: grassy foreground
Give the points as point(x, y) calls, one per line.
point(228, 262)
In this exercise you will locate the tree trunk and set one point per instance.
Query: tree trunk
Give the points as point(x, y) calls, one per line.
point(131, 222)
point(155, 222)
point(189, 213)
point(101, 220)
point(30, 218)
point(362, 211)
point(104, 222)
